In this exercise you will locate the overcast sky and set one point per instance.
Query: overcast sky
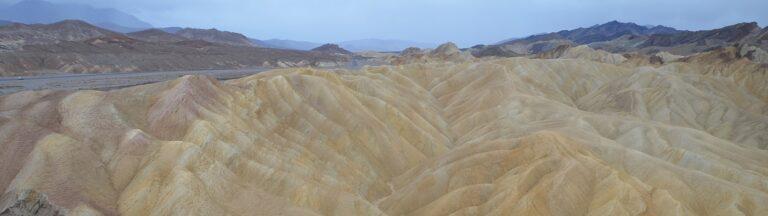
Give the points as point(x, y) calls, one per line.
point(466, 22)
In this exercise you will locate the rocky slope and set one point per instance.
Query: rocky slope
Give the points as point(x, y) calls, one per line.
point(604, 32)
point(15, 36)
point(536, 44)
point(78, 47)
point(123, 54)
point(512, 136)
point(156, 35)
point(619, 37)
point(215, 36)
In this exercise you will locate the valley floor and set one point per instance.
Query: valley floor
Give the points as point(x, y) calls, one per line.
point(106, 81)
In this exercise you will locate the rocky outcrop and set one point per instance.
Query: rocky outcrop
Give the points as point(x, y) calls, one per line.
point(332, 49)
point(492, 50)
point(583, 52)
point(28, 203)
point(411, 51)
point(447, 52)
point(756, 54)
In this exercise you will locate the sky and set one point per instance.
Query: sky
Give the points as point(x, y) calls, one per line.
point(466, 22)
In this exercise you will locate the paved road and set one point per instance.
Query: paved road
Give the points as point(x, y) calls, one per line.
point(109, 80)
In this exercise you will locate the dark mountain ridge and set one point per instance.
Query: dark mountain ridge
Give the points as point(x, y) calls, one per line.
point(621, 37)
point(732, 33)
point(603, 32)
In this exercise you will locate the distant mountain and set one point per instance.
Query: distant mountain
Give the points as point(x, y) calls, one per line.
point(78, 47)
point(688, 42)
point(171, 30)
point(507, 40)
point(5, 22)
point(332, 49)
point(39, 11)
point(382, 45)
point(620, 37)
point(731, 33)
point(216, 36)
point(17, 34)
point(604, 32)
point(354, 45)
point(289, 44)
point(121, 54)
point(539, 43)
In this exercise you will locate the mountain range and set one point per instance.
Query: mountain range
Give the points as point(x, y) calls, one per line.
point(380, 45)
point(621, 37)
point(74, 46)
point(287, 44)
point(43, 12)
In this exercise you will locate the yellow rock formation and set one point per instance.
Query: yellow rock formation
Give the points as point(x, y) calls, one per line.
point(510, 136)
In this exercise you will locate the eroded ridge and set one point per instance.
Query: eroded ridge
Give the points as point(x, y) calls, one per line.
point(485, 137)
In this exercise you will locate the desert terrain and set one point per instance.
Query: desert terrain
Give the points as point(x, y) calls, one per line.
point(438, 133)
point(102, 113)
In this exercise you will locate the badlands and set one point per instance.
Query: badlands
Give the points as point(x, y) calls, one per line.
point(578, 133)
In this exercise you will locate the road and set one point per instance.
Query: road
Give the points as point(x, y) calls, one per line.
point(107, 81)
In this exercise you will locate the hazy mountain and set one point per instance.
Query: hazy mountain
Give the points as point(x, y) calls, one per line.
point(290, 44)
point(39, 11)
point(507, 40)
point(17, 34)
point(604, 32)
point(382, 45)
point(5, 22)
point(353, 45)
point(332, 49)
